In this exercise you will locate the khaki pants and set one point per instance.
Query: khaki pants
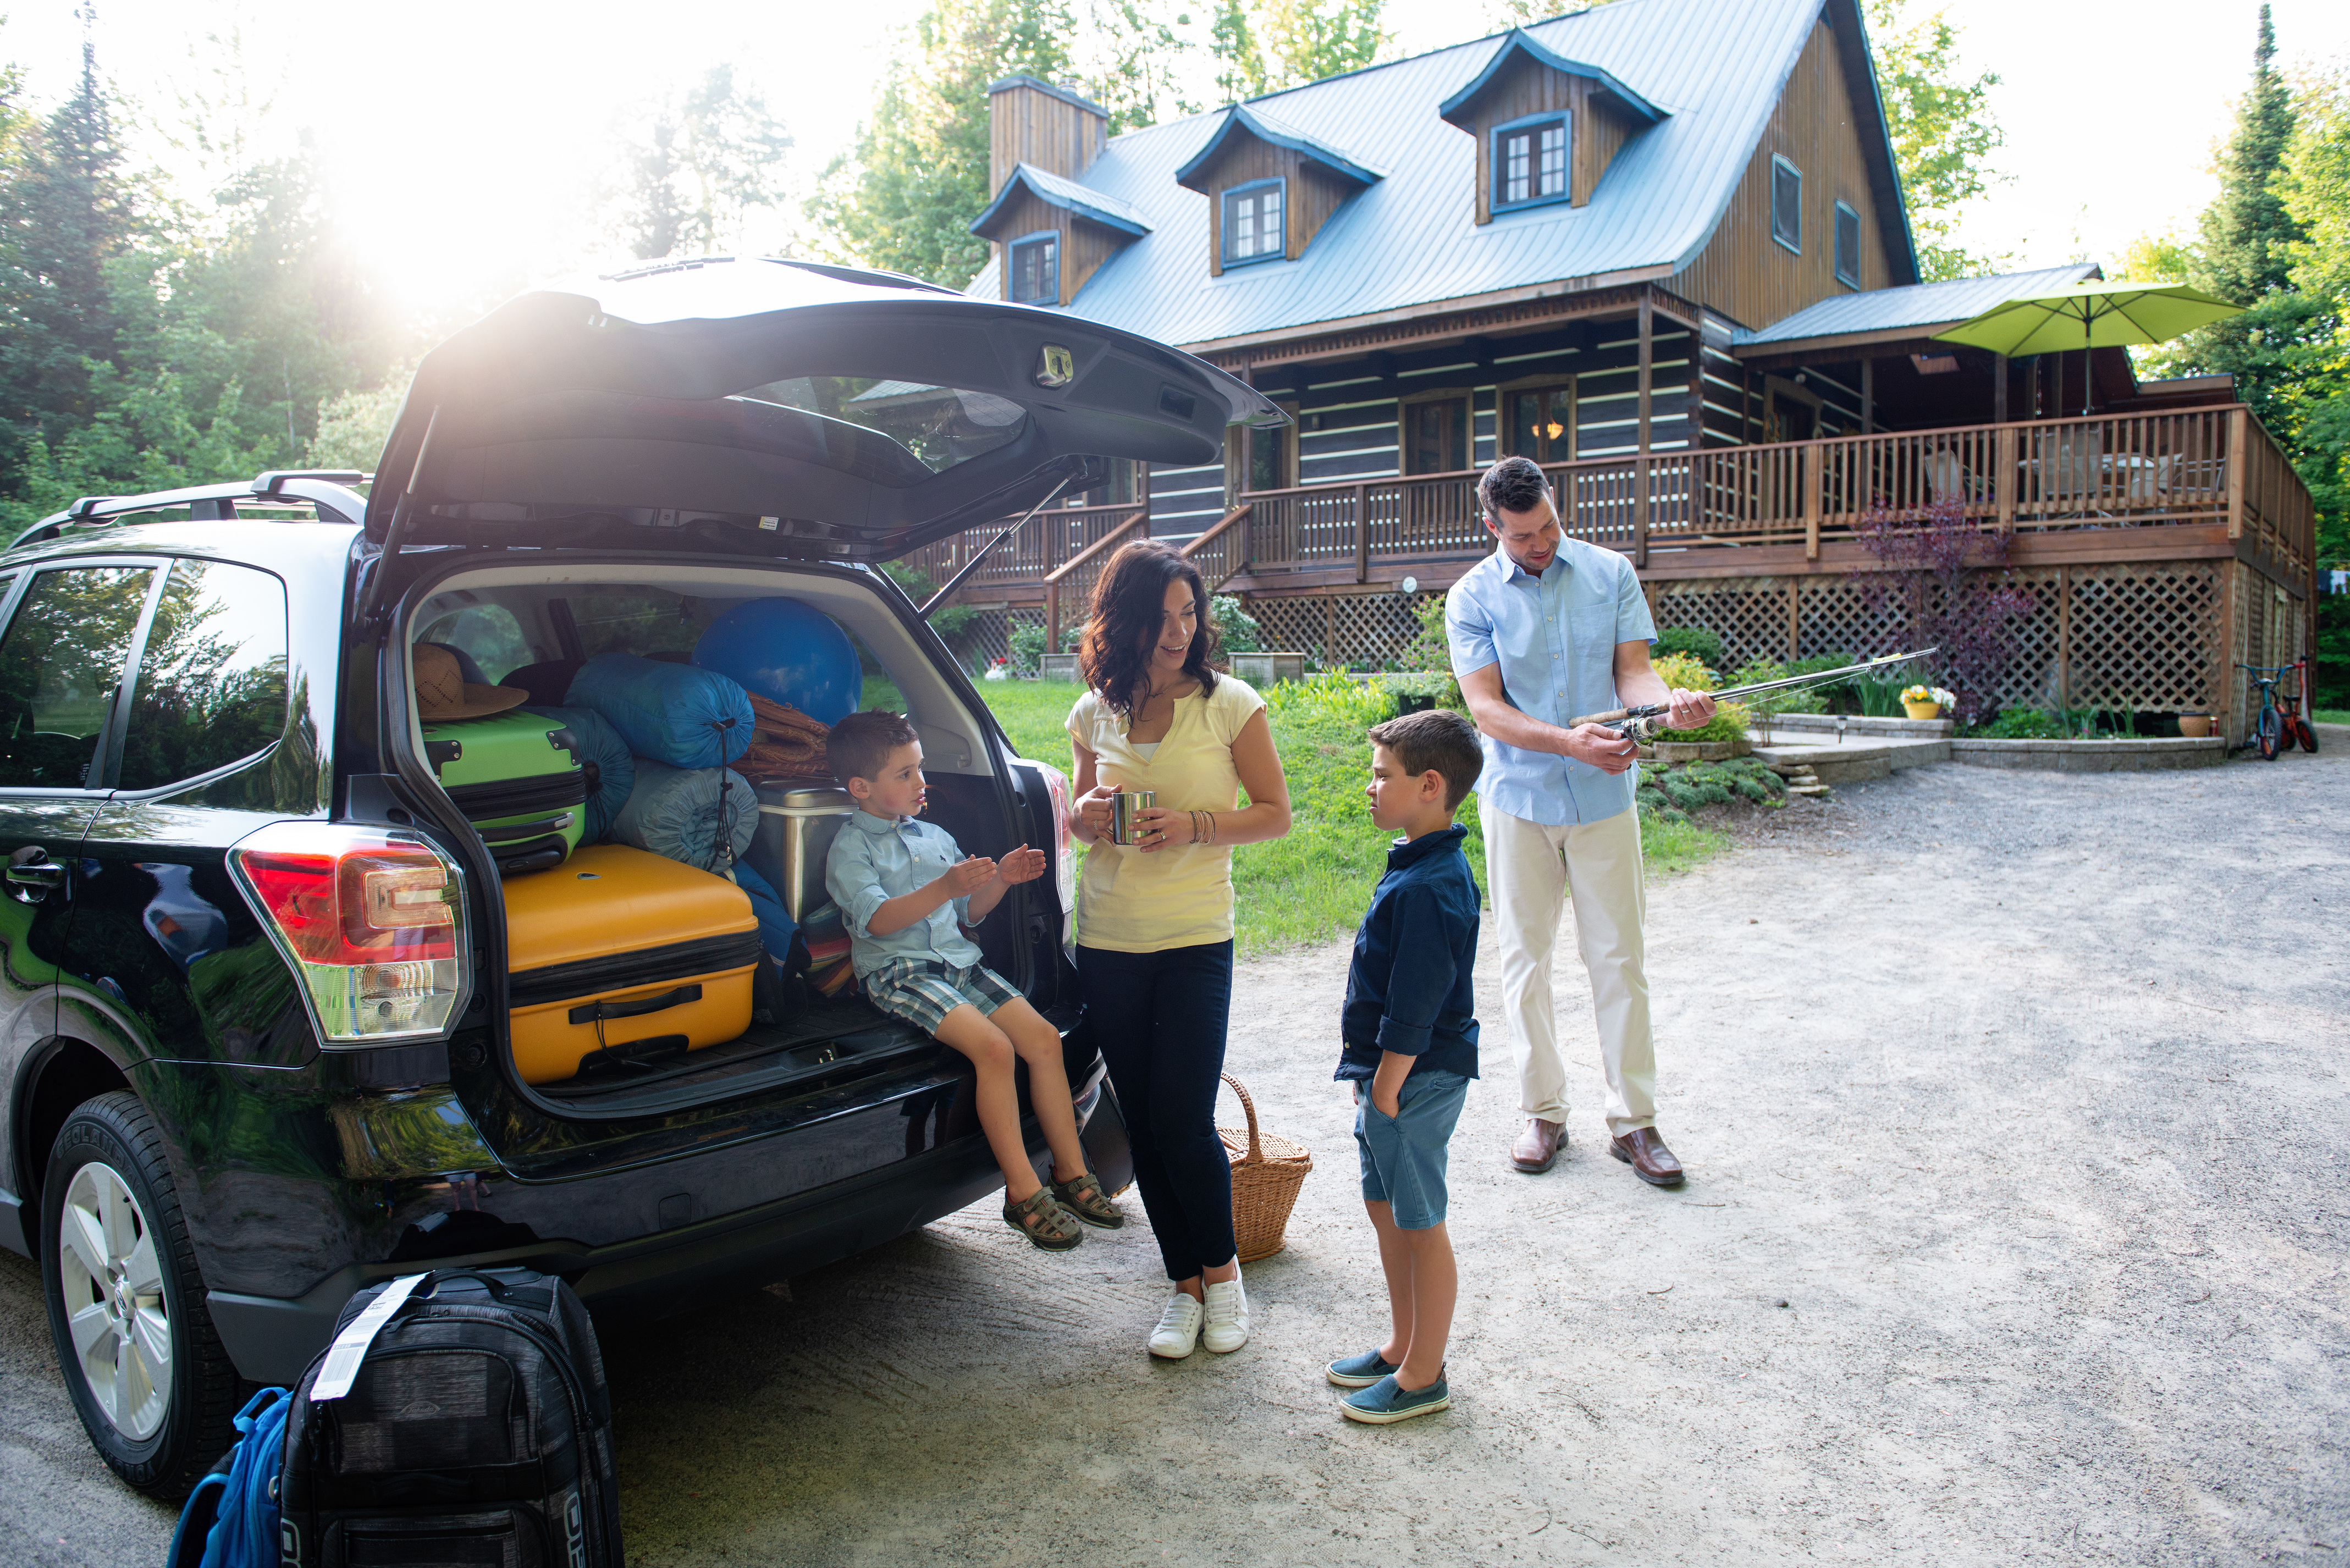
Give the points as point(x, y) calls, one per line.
point(1533, 869)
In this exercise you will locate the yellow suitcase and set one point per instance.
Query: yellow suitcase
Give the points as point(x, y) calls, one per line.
point(619, 957)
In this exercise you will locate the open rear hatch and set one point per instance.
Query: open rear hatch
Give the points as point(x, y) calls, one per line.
point(758, 407)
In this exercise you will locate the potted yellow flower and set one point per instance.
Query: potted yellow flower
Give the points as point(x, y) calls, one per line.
point(1927, 702)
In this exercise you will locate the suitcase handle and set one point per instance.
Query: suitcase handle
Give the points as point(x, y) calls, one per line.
point(597, 1011)
point(508, 832)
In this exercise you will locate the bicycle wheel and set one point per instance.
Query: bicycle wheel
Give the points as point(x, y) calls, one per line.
point(2268, 732)
point(2308, 733)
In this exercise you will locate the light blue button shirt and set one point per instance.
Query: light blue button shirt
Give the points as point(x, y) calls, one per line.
point(1554, 638)
point(874, 860)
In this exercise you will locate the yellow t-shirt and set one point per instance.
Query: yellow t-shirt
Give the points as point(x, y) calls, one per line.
point(1180, 896)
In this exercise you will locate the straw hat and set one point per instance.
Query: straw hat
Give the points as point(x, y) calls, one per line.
point(442, 691)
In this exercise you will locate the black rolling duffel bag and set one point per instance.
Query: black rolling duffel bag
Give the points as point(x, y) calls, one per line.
point(460, 1417)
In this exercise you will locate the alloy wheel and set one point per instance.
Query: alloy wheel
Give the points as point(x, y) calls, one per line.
point(117, 1313)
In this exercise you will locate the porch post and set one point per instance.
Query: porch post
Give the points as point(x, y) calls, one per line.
point(1999, 389)
point(2237, 455)
point(1640, 481)
point(1868, 396)
point(2063, 638)
point(1362, 532)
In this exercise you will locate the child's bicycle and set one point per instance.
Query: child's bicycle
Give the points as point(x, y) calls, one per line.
point(2276, 727)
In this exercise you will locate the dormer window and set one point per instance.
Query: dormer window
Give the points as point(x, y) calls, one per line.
point(1254, 227)
point(1787, 204)
point(1530, 161)
point(1037, 269)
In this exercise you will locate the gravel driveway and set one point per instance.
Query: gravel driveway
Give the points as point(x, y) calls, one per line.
point(2015, 1112)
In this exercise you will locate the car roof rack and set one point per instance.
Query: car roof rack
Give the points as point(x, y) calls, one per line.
point(328, 490)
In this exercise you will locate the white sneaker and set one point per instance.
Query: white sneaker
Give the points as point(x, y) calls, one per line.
point(1228, 1317)
point(1178, 1334)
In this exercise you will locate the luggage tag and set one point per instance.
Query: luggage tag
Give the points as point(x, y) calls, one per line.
point(350, 1346)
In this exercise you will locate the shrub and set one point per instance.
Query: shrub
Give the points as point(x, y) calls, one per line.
point(1025, 642)
point(2022, 724)
point(1694, 640)
point(1692, 786)
point(1331, 697)
point(1237, 631)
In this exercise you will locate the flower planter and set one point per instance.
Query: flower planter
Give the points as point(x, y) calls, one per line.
point(1060, 667)
point(1262, 669)
point(1924, 710)
point(2195, 726)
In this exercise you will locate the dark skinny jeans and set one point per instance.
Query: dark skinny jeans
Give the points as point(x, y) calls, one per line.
point(1158, 1020)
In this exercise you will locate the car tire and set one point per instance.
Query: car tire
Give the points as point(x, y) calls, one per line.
point(154, 1388)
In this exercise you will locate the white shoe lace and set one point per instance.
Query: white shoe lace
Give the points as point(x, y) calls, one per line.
point(1227, 1304)
point(1176, 1321)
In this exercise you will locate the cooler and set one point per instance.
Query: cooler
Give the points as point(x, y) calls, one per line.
point(797, 824)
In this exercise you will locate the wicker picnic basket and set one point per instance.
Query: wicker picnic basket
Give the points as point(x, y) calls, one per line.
point(1267, 1171)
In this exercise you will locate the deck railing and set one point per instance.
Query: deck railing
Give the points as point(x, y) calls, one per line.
point(2202, 466)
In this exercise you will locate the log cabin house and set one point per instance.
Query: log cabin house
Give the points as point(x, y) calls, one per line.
point(1660, 247)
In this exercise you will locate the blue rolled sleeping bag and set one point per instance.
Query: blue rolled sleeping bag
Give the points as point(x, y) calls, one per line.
point(604, 758)
point(677, 813)
point(673, 713)
point(776, 927)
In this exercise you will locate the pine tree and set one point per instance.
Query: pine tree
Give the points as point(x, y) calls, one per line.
point(68, 216)
point(2244, 253)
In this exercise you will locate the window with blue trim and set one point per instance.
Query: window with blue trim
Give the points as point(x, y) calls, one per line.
point(1848, 244)
point(1787, 204)
point(1255, 220)
point(1530, 161)
point(1036, 269)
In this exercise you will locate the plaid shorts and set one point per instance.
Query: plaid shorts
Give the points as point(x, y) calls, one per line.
point(923, 991)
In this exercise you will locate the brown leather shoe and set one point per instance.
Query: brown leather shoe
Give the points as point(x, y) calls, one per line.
point(1538, 1150)
point(1644, 1152)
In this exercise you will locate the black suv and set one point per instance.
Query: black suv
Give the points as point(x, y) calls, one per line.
point(227, 1110)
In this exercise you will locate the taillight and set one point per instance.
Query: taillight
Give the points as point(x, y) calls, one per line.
point(372, 919)
point(1065, 846)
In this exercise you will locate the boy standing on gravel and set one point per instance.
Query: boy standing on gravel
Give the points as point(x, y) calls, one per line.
point(1409, 1049)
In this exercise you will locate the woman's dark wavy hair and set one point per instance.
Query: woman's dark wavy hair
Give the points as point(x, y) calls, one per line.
point(1129, 603)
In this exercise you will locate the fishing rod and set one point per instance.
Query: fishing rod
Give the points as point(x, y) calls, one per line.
point(1639, 724)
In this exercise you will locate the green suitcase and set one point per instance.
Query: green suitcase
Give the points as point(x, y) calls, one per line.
point(517, 776)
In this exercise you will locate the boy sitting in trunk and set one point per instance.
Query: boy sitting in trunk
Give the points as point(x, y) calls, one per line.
point(905, 892)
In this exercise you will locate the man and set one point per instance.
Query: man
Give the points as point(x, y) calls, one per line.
point(1544, 629)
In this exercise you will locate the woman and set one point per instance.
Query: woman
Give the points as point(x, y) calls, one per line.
point(1155, 917)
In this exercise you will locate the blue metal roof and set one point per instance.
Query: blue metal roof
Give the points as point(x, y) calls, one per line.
point(1280, 134)
point(1520, 42)
point(1922, 305)
point(1411, 239)
point(1068, 194)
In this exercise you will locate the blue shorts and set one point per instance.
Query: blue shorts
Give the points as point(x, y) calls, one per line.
point(923, 991)
point(1403, 1155)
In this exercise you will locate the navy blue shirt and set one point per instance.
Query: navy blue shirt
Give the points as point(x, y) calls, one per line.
point(1411, 989)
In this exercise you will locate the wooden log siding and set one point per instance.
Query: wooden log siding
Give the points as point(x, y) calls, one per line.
point(1743, 272)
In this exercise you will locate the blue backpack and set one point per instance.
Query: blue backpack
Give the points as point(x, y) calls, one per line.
point(231, 1518)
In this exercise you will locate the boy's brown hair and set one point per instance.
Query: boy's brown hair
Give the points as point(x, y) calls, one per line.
point(1436, 740)
point(860, 745)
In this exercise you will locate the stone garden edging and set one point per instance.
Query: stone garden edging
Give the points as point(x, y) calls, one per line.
point(1808, 724)
point(2092, 756)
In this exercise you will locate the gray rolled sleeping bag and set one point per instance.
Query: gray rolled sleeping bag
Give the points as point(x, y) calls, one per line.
point(677, 813)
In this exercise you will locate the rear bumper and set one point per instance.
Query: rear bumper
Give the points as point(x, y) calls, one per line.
point(272, 1340)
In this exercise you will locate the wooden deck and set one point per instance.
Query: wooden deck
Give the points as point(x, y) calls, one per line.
point(2071, 491)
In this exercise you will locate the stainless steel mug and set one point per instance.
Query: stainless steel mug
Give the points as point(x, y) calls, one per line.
point(1123, 827)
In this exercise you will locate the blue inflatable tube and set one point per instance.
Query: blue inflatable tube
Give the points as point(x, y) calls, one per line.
point(673, 713)
point(604, 757)
point(680, 813)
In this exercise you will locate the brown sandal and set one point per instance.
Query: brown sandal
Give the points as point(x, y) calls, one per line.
point(1085, 1199)
point(1044, 1221)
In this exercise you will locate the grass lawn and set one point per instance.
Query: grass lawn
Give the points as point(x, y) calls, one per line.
point(1312, 884)
point(2330, 715)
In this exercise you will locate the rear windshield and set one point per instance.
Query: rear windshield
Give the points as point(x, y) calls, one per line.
point(939, 427)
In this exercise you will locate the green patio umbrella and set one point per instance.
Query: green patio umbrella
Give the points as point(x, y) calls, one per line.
point(2090, 315)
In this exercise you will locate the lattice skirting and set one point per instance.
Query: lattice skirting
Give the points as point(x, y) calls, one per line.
point(2137, 635)
point(1357, 631)
point(989, 635)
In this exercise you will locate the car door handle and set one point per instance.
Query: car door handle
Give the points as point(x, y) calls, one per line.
point(40, 874)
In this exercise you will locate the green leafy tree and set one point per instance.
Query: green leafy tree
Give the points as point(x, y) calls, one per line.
point(708, 156)
point(2315, 407)
point(1943, 133)
point(1270, 46)
point(904, 199)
